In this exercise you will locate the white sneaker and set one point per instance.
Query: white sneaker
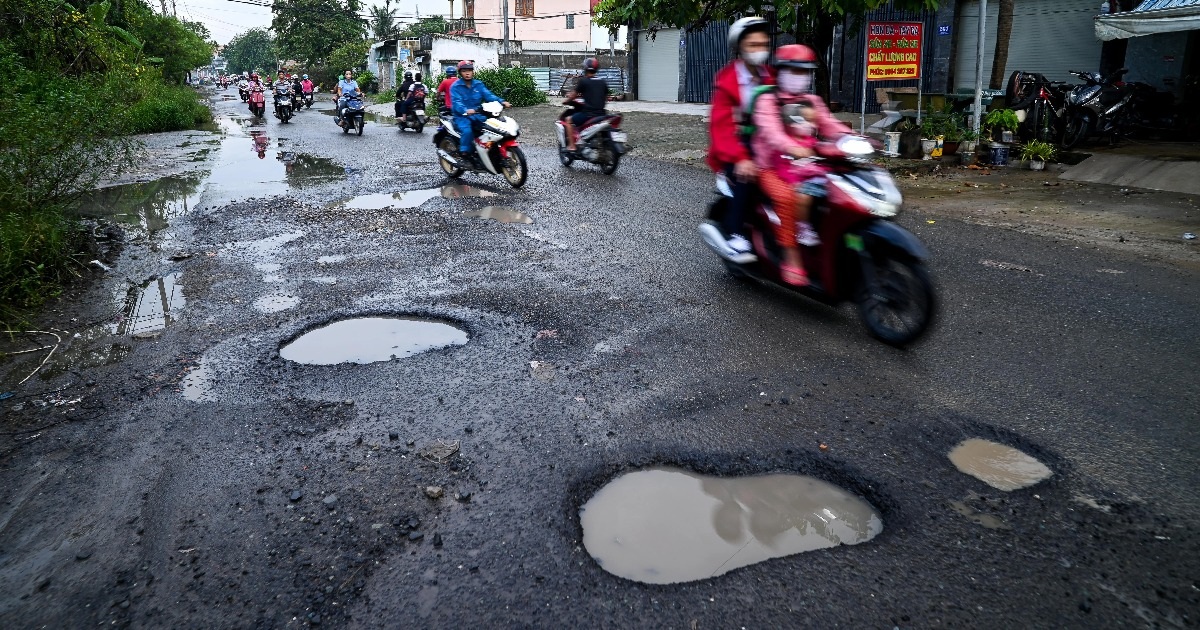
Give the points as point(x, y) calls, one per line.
point(725, 248)
point(739, 244)
point(805, 235)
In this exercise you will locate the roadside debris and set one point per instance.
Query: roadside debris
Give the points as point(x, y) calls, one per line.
point(434, 492)
point(440, 451)
point(1189, 236)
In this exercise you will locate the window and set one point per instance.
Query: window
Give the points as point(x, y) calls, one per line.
point(468, 8)
point(525, 8)
point(570, 20)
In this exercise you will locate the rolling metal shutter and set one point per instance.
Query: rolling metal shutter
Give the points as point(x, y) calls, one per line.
point(658, 66)
point(1048, 36)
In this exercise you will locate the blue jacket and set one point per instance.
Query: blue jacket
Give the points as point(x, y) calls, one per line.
point(464, 98)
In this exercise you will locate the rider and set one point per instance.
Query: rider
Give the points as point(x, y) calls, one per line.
point(750, 41)
point(468, 95)
point(306, 86)
point(594, 93)
point(444, 86)
point(416, 93)
point(402, 95)
point(787, 120)
point(345, 88)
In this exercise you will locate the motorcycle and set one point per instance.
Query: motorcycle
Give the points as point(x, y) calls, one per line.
point(297, 99)
point(244, 90)
point(599, 140)
point(283, 103)
point(1041, 101)
point(495, 144)
point(308, 99)
point(1098, 107)
point(861, 256)
point(355, 115)
point(416, 118)
point(258, 101)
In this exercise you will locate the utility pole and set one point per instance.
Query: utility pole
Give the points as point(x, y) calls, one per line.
point(504, 3)
point(979, 66)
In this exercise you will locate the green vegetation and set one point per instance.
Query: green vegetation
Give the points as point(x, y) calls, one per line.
point(251, 51)
point(309, 30)
point(521, 86)
point(425, 26)
point(1038, 150)
point(81, 76)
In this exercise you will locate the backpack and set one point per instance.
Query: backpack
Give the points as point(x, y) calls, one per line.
point(419, 91)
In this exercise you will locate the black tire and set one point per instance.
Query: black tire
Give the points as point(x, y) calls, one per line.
point(610, 167)
point(515, 169)
point(420, 128)
point(900, 307)
point(735, 270)
point(360, 126)
point(1075, 131)
point(448, 145)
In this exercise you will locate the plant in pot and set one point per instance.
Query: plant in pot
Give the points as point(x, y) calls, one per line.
point(932, 135)
point(999, 121)
point(1038, 153)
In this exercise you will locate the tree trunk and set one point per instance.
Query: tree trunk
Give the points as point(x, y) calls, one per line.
point(1003, 34)
point(958, 10)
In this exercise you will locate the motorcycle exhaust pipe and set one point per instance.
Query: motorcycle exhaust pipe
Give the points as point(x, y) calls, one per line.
point(446, 156)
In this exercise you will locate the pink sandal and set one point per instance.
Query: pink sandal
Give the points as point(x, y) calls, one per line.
point(794, 276)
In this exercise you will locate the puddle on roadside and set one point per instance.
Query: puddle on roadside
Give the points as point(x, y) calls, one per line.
point(275, 302)
point(148, 207)
point(372, 339)
point(503, 214)
point(987, 520)
point(999, 466)
point(664, 525)
point(152, 306)
point(406, 200)
point(459, 191)
point(197, 385)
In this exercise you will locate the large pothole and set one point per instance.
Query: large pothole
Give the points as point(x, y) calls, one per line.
point(372, 339)
point(664, 525)
point(999, 466)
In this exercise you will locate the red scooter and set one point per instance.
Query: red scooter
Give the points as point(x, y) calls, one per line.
point(258, 101)
point(862, 255)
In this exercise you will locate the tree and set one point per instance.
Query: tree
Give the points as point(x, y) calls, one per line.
point(383, 21)
point(250, 51)
point(349, 56)
point(308, 30)
point(425, 26)
point(1004, 23)
point(811, 21)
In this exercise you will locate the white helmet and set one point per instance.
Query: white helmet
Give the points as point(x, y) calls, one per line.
point(740, 28)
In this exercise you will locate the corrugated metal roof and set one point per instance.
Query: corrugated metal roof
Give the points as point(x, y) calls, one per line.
point(1153, 5)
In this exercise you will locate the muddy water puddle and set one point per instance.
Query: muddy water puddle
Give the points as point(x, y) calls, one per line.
point(665, 525)
point(372, 339)
point(152, 306)
point(999, 466)
point(197, 385)
point(503, 214)
point(413, 198)
point(149, 207)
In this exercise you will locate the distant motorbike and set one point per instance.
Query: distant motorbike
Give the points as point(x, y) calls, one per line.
point(354, 116)
point(1099, 107)
point(415, 118)
point(283, 102)
point(861, 256)
point(495, 144)
point(599, 140)
point(258, 101)
point(308, 99)
point(244, 90)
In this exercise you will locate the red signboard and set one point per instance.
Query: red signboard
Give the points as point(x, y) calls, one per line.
point(893, 51)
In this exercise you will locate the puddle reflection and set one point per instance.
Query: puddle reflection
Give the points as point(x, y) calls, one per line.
point(372, 339)
point(502, 214)
point(152, 306)
point(149, 206)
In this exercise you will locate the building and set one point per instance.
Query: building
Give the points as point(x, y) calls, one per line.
point(556, 22)
point(1159, 41)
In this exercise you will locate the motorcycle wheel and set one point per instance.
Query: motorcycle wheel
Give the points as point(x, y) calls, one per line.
point(563, 156)
point(420, 128)
point(1075, 132)
point(610, 167)
point(515, 169)
point(449, 145)
point(899, 305)
point(361, 124)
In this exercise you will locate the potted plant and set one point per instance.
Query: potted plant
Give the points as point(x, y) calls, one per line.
point(1038, 153)
point(999, 121)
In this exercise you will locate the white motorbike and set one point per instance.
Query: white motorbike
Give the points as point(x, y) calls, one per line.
point(495, 144)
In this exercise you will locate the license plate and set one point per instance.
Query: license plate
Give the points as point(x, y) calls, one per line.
point(619, 136)
point(420, 112)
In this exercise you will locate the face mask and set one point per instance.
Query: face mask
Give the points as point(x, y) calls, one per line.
point(756, 58)
point(794, 83)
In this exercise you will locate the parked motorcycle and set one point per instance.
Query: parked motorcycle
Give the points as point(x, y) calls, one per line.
point(495, 144)
point(1098, 107)
point(258, 101)
point(599, 140)
point(1040, 101)
point(354, 116)
point(862, 255)
point(283, 102)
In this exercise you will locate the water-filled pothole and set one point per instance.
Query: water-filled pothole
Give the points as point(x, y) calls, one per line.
point(147, 207)
point(379, 201)
point(152, 306)
point(503, 214)
point(197, 385)
point(999, 466)
point(372, 339)
point(664, 525)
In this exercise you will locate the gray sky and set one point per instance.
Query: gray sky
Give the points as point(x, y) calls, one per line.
point(225, 18)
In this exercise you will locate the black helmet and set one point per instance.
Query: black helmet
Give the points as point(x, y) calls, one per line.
point(590, 64)
point(407, 75)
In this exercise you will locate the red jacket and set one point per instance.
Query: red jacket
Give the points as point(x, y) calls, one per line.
point(726, 145)
point(444, 89)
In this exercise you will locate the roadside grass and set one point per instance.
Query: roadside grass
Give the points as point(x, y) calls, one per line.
point(166, 108)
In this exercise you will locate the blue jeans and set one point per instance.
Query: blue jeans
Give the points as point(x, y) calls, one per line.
point(466, 130)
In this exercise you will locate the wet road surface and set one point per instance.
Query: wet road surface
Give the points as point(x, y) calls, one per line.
point(188, 475)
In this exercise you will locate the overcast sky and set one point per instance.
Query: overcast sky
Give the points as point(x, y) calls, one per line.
point(226, 18)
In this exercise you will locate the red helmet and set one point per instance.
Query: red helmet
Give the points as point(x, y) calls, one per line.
point(796, 56)
point(466, 64)
point(590, 64)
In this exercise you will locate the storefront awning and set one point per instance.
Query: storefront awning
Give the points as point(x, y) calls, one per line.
point(1150, 17)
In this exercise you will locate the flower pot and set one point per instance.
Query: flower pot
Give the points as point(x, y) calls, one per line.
point(966, 158)
point(927, 147)
point(1006, 137)
point(1037, 165)
point(967, 146)
point(891, 143)
point(999, 153)
point(950, 147)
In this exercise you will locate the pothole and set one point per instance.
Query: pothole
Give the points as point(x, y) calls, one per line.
point(152, 306)
point(372, 339)
point(197, 385)
point(458, 191)
point(664, 525)
point(503, 214)
point(999, 466)
point(147, 207)
point(379, 201)
point(275, 303)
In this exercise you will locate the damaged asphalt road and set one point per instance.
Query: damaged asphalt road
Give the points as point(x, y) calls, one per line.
point(167, 468)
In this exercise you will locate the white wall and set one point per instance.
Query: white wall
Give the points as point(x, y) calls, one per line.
point(484, 52)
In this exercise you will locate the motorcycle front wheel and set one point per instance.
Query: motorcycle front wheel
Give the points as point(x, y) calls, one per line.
point(897, 303)
point(1075, 132)
point(515, 168)
point(449, 145)
point(361, 124)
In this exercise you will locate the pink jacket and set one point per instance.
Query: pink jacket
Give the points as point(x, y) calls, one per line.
point(772, 138)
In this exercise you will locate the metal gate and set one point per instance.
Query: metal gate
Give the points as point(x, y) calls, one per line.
point(706, 51)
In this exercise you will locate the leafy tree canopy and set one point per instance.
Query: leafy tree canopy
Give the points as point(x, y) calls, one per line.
point(250, 51)
point(309, 30)
point(349, 56)
point(425, 26)
point(696, 14)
